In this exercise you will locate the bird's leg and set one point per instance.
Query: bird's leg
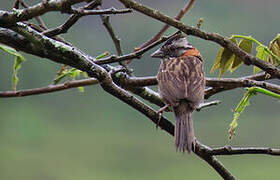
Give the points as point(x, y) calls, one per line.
point(160, 112)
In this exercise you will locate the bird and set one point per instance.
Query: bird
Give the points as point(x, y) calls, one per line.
point(181, 84)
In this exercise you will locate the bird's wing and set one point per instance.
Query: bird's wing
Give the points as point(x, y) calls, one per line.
point(181, 79)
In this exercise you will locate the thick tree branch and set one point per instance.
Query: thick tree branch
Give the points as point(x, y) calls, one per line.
point(225, 42)
point(14, 40)
point(64, 6)
point(49, 48)
point(38, 18)
point(9, 18)
point(204, 152)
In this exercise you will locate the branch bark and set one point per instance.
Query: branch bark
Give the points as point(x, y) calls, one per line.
point(228, 150)
point(9, 18)
point(48, 89)
point(71, 21)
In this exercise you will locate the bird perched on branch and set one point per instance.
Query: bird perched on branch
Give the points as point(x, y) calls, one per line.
point(181, 84)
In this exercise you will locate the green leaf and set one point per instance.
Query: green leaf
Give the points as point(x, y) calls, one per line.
point(238, 110)
point(261, 54)
point(274, 47)
point(275, 50)
point(17, 63)
point(11, 51)
point(216, 65)
point(244, 103)
point(224, 59)
point(75, 73)
point(247, 46)
point(277, 39)
point(17, 66)
point(64, 74)
point(106, 53)
point(85, 74)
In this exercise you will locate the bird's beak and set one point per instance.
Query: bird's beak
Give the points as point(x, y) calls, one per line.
point(157, 54)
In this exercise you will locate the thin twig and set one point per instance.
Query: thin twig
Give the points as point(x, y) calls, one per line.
point(228, 150)
point(207, 104)
point(71, 21)
point(115, 39)
point(84, 12)
point(48, 89)
point(136, 54)
point(16, 4)
point(178, 17)
point(224, 84)
point(38, 18)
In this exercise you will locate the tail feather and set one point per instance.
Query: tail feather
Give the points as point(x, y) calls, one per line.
point(184, 132)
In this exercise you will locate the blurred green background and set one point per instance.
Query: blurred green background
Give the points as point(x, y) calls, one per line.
point(71, 135)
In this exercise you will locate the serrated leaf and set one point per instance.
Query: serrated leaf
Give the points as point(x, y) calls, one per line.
point(275, 49)
point(224, 59)
point(247, 46)
point(19, 59)
point(216, 64)
point(261, 54)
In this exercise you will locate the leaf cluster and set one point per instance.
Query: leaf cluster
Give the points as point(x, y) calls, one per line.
point(226, 60)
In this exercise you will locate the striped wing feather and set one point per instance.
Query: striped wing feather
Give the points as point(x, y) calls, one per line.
point(181, 79)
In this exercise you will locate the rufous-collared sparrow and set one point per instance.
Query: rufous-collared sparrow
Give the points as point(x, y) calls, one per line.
point(181, 84)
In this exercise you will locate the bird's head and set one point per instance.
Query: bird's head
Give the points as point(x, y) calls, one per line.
point(174, 47)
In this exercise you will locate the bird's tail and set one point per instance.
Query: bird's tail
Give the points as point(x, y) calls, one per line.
point(184, 132)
